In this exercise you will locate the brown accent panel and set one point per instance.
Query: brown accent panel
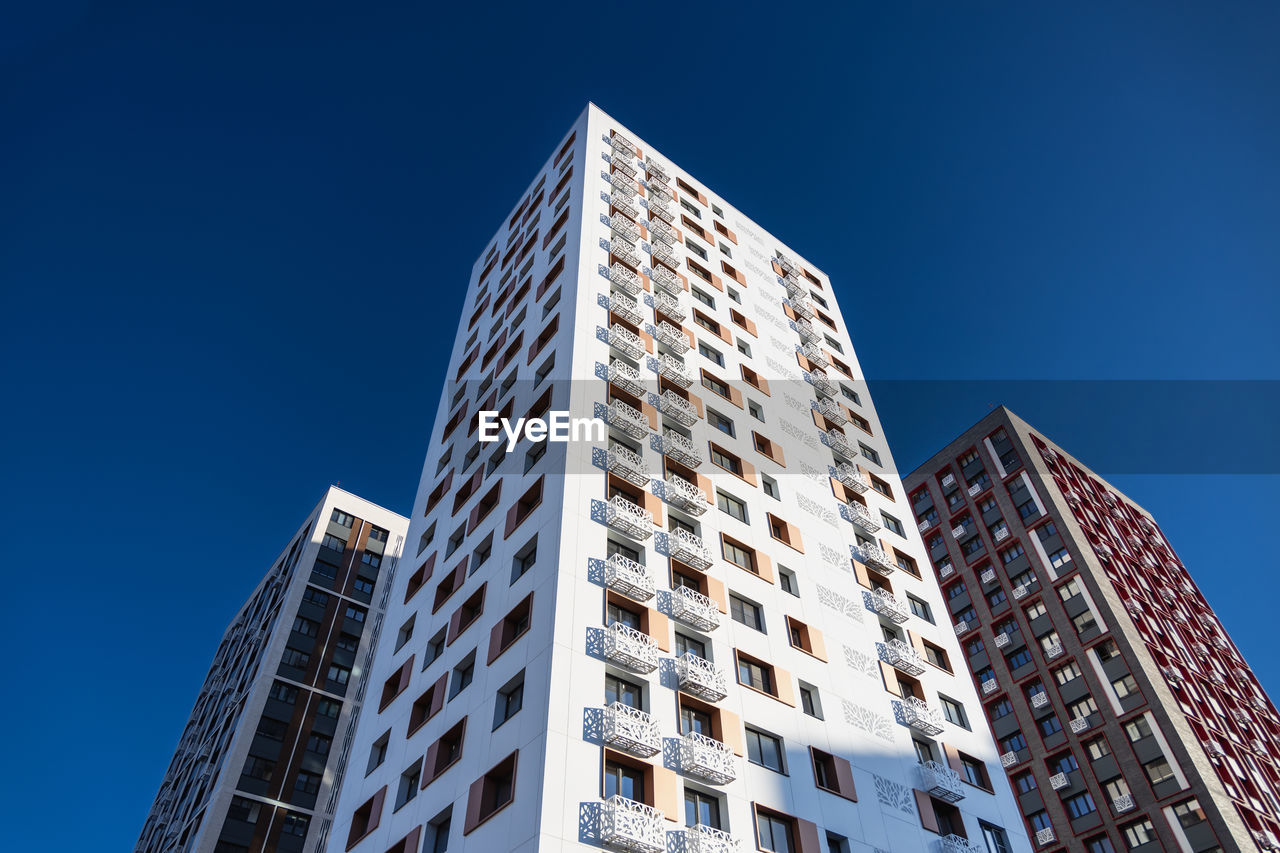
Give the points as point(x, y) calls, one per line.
point(953, 758)
point(716, 592)
point(749, 473)
point(844, 778)
point(419, 578)
point(666, 794)
point(819, 646)
point(861, 573)
point(924, 805)
point(653, 503)
point(703, 482)
point(651, 413)
point(660, 629)
point(396, 684)
point(804, 363)
point(890, 676)
point(731, 732)
point(475, 796)
point(917, 643)
point(764, 566)
point(807, 836)
point(782, 683)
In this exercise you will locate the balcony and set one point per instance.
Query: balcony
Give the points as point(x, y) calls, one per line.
point(988, 576)
point(624, 227)
point(629, 465)
point(948, 481)
point(626, 377)
point(674, 337)
point(832, 411)
point(624, 250)
point(794, 289)
point(1053, 651)
point(1122, 803)
point(1008, 759)
point(694, 608)
point(942, 782)
point(623, 204)
point(1078, 724)
point(921, 716)
point(821, 384)
point(626, 341)
point(1214, 749)
point(1045, 836)
point(903, 657)
point(963, 627)
point(664, 253)
point(625, 279)
point(700, 677)
point(629, 519)
point(975, 490)
point(627, 307)
point(631, 648)
point(628, 419)
point(924, 526)
point(660, 230)
point(1058, 781)
point(837, 442)
point(661, 181)
point(658, 208)
point(1072, 496)
point(624, 184)
point(787, 264)
point(957, 844)
point(659, 192)
point(628, 825)
point(707, 758)
point(1001, 534)
point(673, 370)
point(653, 167)
point(957, 531)
point(680, 448)
point(620, 143)
point(708, 839)
point(850, 477)
point(861, 516)
point(631, 729)
point(1002, 639)
point(803, 308)
point(887, 605)
point(685, 495)
point(1039, 700)
point(628, 577)
point(689, 549)
point(990, 686)
point(678, 408)
point(665, 279)
point(807, 331)
point(668, 304)
point(1020, 592)
point(874, 555)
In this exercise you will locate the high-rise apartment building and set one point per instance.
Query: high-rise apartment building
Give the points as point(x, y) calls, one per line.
point(709, 630)
point(1127, 720)
point(264, 750)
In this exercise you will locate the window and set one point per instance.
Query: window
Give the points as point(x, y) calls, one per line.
point(869, 453)
point(410, 780)
point(953, 711)
point(739, 555)
point(492, 792)
point(512, 627)
point(744, 347)
point(787, 580)
point(524, 559)
point(919, 608)
point(716, 358)
point(755, 410)
point(810, 701)
point(776, 832)
point(1189, 813)
point(731, 506)
point(997, 840)
point(703, 297)
point(510, 700)
point(770, 487)
point(747, 612)
point(837, 843)
point(1137, 729)
point(1025, 782)
point(1125, 687)
point(1158, 771)
point(1138, 833)
point(1097, 748)
point(620, 690)
point(1099, 844)
point(726, 461)
point(831, 773)
point(892, 523)
point(701, 809)
point(463, 673)
point(755, 674)
point(764, 749)
point(438, 833)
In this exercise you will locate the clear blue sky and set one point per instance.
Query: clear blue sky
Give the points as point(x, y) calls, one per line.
point(234, 240)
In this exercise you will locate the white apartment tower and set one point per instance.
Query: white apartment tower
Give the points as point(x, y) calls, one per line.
point(707, 631)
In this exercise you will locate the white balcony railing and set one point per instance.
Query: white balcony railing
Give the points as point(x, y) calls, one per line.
point(624, 227)
point(674, 337)
point(707, 758)
point(660, 230)
point(1078, 724)
point(1008, 759)
point(948, 481)
point(625, 251)
point(988, 576)
point(963, 626)
point(787, 264)
point(1122, 803)
point(807, 331)
point(803, 308)
point(631, 729)
point(814, 353)
point(629, 465)
point(624, 184)
point(1053, 651)
point(1002, 533)
point(680, 448)
point(990, 686)
point(836, 441)
point(626, 377)
point(942, 782)
point(1045, 836)
point(654, 167)
point(821, 384)
point(975, 490)
point(889, 606)
point(903, 657)
point(874, 555)
point(678, 408)
point(861, 516)
point(668, 304)
point(628, 419)
point(626, 341)
point(1020, 591)
point(630, 647)
point(1039, 700)
point(628, 577)
point(627, 307)
point(957, 531)
point(674, 370)
point(850, 477)
point(685, 495)
point(689, 549)
point(690, 606)
point(924, 525)
point(921, 716)
point(1002, 639)
point(626, 279)
point(621, 202)
point(1058, 781)
point(832, 411)
point(700, 677)
point(708, 839)
point(957, 844)
point(659, 191)
point(629, 519)
point(621, 143)
point(628, 825)
point(658, 208)
point(660, 251)
point(665, 279)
